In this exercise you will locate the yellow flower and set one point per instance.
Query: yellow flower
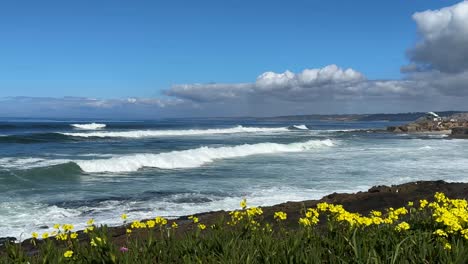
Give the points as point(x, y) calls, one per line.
point(150, 223)
point(174, 225)
point(62, 236)
point(402, 226)
point(253, 211)
point(45, 235)
point(423, 203)
point(124, 216)
point(280, 216)
point(129, 231)
point(194, 219)
point(67, 227)
point(90, 222)
point(447, 246)
point(57, 226)
point(440, 232)
point(68, 254)
point(160, 220)
point(322, 206)
point(410, 204)
point(73, 235)
point(88, 229)
point(305, 222)
point(95, 241)
point(376, 213)
point(35, 235)
point(201, 226)
point(243, 203)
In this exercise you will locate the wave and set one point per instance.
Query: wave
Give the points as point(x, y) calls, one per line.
point(91, 126)
point(299, 127)
point(29, 163)
point(194, 157)
point(188, 132)
point(35, 138)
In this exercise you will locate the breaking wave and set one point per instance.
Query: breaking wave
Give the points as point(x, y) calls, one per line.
point(299, 127)
point(194, 157)
point(188, 132)
point(91, 126)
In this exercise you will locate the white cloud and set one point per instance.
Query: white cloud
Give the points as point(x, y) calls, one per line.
point(444, 39)
point(310, 84)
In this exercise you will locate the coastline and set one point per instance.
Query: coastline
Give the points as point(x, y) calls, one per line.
point(376, 198)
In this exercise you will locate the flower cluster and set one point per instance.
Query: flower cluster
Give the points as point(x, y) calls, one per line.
point(246, 214)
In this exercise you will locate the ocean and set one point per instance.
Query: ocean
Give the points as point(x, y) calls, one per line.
point(68, 171)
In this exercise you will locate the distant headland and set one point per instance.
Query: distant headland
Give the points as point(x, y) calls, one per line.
point(412, 116)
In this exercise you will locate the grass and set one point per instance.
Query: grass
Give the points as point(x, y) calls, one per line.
point(421, 232)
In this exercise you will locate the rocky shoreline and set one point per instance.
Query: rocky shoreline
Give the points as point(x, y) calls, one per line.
point(456, 126)
point(376, 198)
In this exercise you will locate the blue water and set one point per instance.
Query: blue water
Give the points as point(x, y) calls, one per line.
point(54, 172)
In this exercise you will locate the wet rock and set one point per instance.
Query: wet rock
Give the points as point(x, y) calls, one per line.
point(459, 132)
point(4, 240)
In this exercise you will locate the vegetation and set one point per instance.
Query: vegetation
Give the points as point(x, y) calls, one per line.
point(421, 232)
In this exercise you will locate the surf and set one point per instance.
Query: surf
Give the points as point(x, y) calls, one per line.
point(91, 126)
point(168, 133)
point(193, 158)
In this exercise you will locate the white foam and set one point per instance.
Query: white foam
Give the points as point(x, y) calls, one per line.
point(301, 127)
point(91, 126)
point(29, 163)
point(194, 157)
point(188, 132)
point(20, 219)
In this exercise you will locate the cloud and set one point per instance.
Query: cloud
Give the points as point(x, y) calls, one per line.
point(128, 108)
point(444, 39)
point(438, 68)
point(310, 84)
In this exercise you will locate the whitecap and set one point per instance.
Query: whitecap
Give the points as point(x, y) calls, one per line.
point(187, 132)
point(192, 158)
point(91, 126)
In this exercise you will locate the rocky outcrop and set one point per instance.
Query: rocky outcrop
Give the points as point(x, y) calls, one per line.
point(459, 132)
point(425, 124)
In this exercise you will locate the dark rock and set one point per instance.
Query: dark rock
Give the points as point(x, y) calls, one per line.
point(4, 240)
point(459, 132)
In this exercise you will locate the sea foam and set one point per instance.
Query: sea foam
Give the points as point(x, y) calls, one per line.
point(300, 127)
point(91, 126)
point(188, 132)
point(192, 158)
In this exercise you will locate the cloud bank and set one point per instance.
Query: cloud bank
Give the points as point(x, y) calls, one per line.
point(436, 78)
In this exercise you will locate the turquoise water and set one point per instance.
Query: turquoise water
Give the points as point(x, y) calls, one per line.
point(63, 172)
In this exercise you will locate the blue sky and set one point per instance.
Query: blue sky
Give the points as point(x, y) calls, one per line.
point(119, 49)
